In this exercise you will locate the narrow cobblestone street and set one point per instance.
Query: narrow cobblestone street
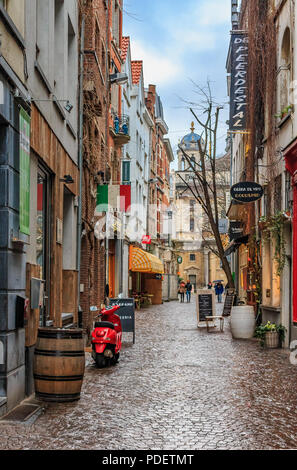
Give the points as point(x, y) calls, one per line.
point(177, 388)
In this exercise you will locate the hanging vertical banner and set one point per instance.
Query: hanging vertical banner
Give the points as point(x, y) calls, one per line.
point(239, 81)
point(24, 120)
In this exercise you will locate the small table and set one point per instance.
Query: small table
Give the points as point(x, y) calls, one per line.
point(214, 317)
point(149, 298)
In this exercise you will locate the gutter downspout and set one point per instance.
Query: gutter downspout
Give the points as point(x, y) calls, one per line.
point(107, 146)
point(80, 156)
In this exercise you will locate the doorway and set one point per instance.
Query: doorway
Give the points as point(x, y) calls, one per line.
point(43, 224)
point(193, 281)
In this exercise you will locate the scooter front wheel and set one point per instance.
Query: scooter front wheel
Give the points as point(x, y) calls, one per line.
point(100, 361)
point(115, 359)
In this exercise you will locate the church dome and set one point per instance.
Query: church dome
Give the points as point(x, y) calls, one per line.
point(190, 139)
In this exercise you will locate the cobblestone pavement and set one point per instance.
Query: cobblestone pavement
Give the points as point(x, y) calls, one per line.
point(177, 388)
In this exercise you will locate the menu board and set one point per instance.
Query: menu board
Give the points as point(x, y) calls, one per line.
point(126, 314)
point(205, 303)
point(229, 301)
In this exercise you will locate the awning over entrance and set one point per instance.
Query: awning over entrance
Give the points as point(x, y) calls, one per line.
point(235, 244)
point(141, 261)
point(237, 211)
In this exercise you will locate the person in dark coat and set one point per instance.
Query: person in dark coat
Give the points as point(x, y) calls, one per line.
point(219, 289)
point(209, 285)
point(181, 291)
point(188, 291)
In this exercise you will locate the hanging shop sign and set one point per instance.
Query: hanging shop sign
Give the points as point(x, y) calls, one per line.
point(24, 122)
point(246, 191)
point(239, 81)
point(146, 240)
point(179, 260)
point(235, 230)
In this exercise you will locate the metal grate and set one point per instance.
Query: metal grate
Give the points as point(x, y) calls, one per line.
point(21, 413)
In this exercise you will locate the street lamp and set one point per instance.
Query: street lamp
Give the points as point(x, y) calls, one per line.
point(120, 78)
point(68, 106)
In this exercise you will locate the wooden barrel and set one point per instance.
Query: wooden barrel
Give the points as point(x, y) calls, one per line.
point(271, 339)
point(59, 364)
point(243, 321)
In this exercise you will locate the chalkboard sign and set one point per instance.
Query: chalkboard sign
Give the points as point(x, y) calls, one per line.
point(126, 314)
point(229, 301)
point(205, 303)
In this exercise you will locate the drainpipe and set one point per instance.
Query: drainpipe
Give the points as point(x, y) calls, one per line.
point(106, 142)
point(80, 156)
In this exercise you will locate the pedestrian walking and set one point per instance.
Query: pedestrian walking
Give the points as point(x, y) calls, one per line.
point(219, 289)
point(188, 291)
point(181, 291)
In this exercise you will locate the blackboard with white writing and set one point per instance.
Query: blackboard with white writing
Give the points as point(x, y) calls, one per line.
point(126, 314)
point(229, 301)
point(205, 304)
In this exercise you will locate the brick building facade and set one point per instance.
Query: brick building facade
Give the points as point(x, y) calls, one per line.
point(95, 154)
point(102, 146)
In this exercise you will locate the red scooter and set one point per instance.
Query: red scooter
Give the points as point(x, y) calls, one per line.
point(107, 337)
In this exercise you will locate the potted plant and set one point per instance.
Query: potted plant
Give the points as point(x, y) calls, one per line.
point(262, 223)
point(271, 335)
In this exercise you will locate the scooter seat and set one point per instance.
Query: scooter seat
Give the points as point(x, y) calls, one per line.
point(104, 324)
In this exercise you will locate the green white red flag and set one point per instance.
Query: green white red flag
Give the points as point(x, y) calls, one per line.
point(114, 198)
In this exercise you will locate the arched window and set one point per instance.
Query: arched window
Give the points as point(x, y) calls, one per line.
point(182, 164)
point(285, 68)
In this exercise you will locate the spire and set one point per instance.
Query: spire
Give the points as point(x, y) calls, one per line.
point(192, 126)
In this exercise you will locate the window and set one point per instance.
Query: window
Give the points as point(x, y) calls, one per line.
point(192, 257)
point(288, 192)
point(192, 224)
point(126, 172)
point(43, 10)
point(116, 22)
point(284, 74)
point(277, 194)
point(266, 202)
point(182, 167)
point(71, 61)
point(59, 72)
point(103, 59)
point(102, 148)
point(97, 40)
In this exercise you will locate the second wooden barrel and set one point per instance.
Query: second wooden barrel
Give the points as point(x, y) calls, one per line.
point(59, 364)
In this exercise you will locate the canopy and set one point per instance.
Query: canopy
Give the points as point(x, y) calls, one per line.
point(143, 262)
point(232, 247)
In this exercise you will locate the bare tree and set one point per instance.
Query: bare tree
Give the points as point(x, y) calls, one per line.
point(208, 182)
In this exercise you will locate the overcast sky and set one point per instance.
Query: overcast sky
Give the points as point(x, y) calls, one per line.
point(181, 42)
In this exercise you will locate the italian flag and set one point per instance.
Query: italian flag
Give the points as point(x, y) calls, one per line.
point(113, 197)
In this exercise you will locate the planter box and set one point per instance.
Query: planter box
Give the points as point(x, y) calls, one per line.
point(271, 339)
